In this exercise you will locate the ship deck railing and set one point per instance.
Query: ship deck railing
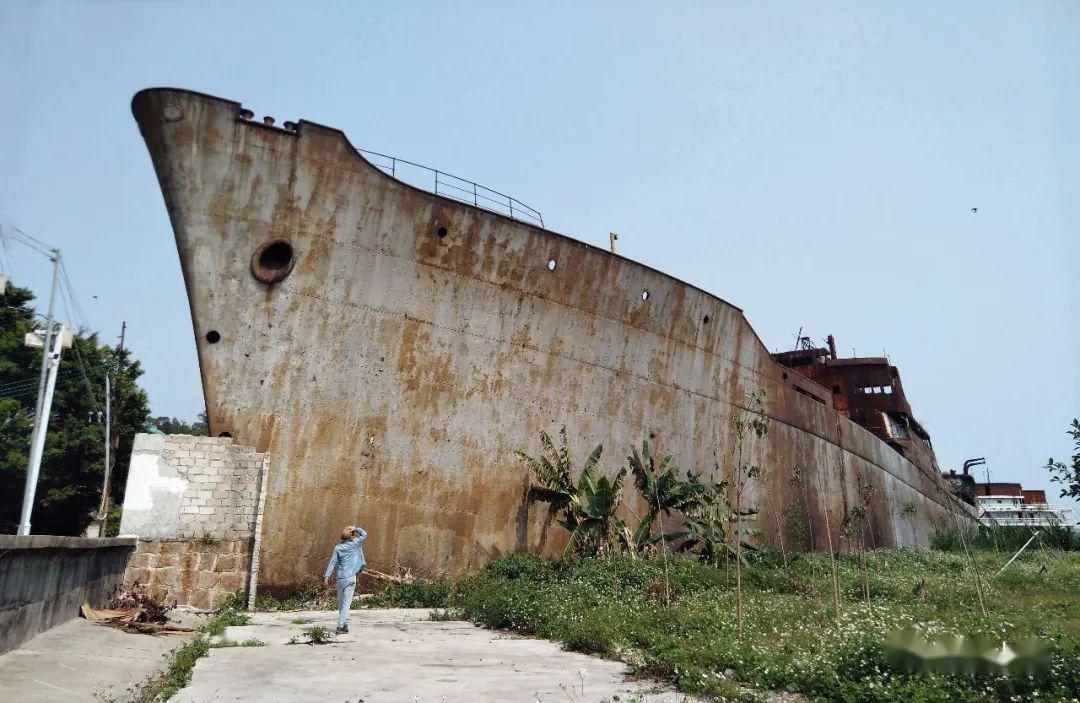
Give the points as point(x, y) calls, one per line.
point(455, 187)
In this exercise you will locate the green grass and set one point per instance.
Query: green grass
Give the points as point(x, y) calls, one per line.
point(177, 675)
point(316, 634)
point(253, 642)
point(225, 617)
point(615, 608)
point(1008, 538)
point(182, 659)
point(313, 595)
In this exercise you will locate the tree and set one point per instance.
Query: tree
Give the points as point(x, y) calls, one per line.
point(586, 508)
point(749, 422)
point(554, 475)
point(69, 484)
point(171, 425)
point(1068, 476)
point(664, 492)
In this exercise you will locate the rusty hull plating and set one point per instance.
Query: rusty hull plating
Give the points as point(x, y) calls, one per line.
point(396, 347)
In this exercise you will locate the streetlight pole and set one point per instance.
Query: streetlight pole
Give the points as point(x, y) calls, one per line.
point(32, 467)
point(41, 424)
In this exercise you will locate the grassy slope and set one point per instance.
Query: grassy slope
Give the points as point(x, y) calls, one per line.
point(616, 607)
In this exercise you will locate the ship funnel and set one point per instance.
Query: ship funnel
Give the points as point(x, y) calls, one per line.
point(973, 462)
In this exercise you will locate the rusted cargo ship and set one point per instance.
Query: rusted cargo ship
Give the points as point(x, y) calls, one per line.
point(391, 347)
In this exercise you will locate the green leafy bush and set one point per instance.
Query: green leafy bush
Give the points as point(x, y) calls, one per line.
point(418, 594)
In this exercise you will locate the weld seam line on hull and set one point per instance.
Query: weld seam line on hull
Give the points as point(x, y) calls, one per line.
point(673, 386)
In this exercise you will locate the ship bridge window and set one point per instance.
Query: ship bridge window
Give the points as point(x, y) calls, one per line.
point(887, 390)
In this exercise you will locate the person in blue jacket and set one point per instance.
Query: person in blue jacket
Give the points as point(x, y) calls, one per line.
point(346, 561)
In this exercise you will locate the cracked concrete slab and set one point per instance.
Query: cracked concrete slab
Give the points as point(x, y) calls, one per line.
point(393, 656)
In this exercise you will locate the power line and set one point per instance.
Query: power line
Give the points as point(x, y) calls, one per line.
point(32, 388)
point(86, 379)
point(5, 249)
point(75, 312)
point(33, 242)
point(72, 307)
point(11, 385)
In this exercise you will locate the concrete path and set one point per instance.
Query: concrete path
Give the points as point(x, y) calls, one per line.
point(81, 661)
point(396, 656)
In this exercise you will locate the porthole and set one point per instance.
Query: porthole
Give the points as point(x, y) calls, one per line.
point(272, 261)
point(552, 264)
point(784, 375)
point(644, 295)
point(441, 232)
point(705, 319)
point(213, 336)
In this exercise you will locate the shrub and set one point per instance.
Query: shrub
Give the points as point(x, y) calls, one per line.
point(595, 634)
point(418, 594)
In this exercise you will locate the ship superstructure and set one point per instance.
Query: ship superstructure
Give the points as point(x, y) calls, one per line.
point(868, 391)
point(1010, 504)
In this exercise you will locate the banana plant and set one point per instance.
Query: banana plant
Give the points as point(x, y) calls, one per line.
point(664, 492)
point(598, 530)
point(553, 474)
point(708, 529)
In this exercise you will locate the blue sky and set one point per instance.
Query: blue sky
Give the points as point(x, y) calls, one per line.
point(813, 163)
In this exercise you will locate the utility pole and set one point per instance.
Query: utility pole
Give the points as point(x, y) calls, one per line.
point(32, 467)
point(55, 258)
point(103, 509)
point(60, 338)
point(115, 441)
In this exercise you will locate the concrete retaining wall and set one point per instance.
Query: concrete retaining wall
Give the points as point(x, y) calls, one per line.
point(44, 580)
point(193, 502)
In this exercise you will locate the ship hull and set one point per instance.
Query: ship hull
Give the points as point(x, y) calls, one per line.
point(415, 343)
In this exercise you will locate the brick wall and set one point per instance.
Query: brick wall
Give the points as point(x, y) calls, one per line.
point(193, 502)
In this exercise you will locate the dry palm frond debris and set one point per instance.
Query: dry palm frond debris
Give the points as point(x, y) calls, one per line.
point(134, 612)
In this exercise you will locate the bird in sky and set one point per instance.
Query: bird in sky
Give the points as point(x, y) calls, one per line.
point(974, 210)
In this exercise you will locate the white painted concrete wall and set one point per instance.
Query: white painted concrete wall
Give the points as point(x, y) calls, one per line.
point(183, 487)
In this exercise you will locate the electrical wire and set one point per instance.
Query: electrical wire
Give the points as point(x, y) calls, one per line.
point(32, 387)
point(5, 251)
point(33, 243)
point(12, 385)
point(85, 378)
point(72, 307)
point(70, 303)
point(76, 306)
